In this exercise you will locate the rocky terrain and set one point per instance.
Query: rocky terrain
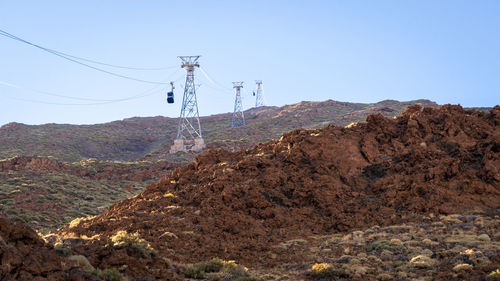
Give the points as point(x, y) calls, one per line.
point(25, 256)
point(51, 190)
point(415, 197)
point(381, 195)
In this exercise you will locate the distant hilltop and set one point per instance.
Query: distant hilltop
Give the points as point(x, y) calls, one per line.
point(150, 137)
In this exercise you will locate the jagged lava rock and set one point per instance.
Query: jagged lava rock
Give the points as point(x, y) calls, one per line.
point(25, 256)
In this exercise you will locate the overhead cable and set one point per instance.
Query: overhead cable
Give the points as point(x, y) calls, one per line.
point(59, 54)
point(213, 81)
point(93, 61)
point(143, 94)
point(77, 104)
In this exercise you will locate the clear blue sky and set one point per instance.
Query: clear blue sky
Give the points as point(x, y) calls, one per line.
point(351, 50)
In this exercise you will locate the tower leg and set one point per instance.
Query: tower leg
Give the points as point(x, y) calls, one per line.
point(187, 145)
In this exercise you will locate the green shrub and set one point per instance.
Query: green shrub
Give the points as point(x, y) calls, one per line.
point(324, 270)
point(215, 265)
point(108, 274)
point(83, 262)
point(199, 270)
point(62, 249)
point(195, 272)
point(494, 275)
point(233, 269)
point(382, 245)
point(384, 277)
point(123, 239)
point(78, 220)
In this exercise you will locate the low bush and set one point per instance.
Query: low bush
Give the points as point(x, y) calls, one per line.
point(382, 245)
point(108, 274)
point(324, 270)
point(123, 239)
point(83, 262)
point(494, 275)
point(216, 265)
point(62, 249)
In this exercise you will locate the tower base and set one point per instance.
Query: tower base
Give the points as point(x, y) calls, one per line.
point(187, 145)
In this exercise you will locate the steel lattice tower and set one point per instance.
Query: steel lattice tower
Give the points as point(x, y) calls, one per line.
point(189, 129)
point(259, 99)
point(238, 117)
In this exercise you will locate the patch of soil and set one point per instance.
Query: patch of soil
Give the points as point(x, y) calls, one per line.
point(240, 205)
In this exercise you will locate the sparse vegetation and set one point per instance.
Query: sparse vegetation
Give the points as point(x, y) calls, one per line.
point(48, 200)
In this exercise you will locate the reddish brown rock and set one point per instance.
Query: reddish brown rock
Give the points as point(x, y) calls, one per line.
point(25, 256)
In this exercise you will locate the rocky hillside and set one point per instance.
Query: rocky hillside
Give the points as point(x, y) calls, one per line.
point(47, 193)
point(139, 138)
point(25, 256)
point(262, 206)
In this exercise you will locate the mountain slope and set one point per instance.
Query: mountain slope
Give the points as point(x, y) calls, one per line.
point(151, 137)
point(252, 205)
point(47, 193)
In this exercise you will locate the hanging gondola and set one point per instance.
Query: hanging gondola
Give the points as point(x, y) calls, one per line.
point(170, 95)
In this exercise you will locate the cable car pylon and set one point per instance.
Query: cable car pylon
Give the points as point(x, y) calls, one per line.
point(238, 117)
point(189, 136)
point(259, 99)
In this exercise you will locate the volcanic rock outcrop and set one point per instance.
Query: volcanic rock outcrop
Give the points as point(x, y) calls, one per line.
point(238, 205)
point(25, 256)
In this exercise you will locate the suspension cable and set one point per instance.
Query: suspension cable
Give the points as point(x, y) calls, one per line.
point(69, 58)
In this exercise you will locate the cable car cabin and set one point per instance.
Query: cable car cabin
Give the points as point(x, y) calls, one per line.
point(170, 97)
